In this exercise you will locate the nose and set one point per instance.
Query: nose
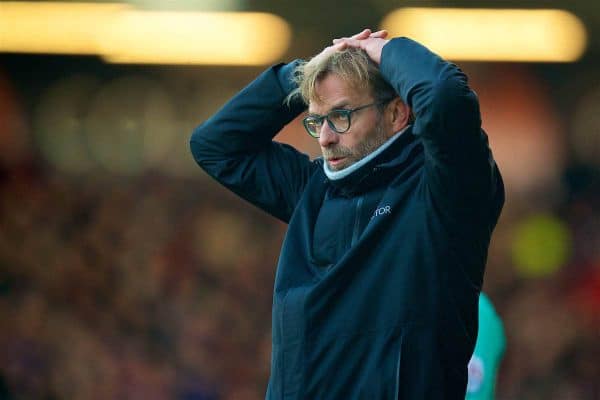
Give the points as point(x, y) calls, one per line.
point(327, 136)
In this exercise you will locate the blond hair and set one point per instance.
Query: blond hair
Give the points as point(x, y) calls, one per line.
point(352, 65)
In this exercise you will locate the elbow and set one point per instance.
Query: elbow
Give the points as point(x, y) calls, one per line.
point(454, 89)
point(199, 144)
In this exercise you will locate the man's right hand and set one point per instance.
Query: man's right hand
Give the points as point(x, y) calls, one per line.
point(371, 42)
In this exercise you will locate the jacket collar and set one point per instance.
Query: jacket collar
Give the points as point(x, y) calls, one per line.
point(377, 168)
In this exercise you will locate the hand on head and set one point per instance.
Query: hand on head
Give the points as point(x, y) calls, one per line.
point(371, 42)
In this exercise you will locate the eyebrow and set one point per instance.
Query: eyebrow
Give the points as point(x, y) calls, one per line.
point(336, 106)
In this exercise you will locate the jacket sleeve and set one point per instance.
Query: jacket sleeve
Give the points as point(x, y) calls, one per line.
point(460, 170)
point(235, 145)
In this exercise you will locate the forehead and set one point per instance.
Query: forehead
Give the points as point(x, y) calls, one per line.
point(332, 91)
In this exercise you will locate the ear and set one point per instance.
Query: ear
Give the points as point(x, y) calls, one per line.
point(399, 114)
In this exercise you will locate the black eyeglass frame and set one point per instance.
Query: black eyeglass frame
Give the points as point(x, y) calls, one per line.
point(346, 112)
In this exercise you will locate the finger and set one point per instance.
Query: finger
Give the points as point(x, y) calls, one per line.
point(379, 34)
point(338, 46)
point(349, 42)
point(352, 40)
point(335, 47)
point(362, 35)
point(341, 46)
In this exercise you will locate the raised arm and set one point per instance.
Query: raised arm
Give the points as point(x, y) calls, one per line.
point(458, 162)
point(235, 145)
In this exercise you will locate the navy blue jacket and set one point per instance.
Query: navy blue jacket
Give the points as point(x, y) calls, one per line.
point(377, 284)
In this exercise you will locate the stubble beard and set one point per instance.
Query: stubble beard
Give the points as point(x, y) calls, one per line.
point(352, 155)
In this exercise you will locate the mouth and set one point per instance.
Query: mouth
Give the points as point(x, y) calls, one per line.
point(335, 161)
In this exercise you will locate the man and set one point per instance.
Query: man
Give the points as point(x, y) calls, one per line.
point(380, 271)
point(489, 350)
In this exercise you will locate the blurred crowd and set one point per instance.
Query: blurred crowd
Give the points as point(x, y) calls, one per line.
point(146, 288)
point(158, 286)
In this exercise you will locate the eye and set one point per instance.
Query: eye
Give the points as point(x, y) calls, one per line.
point(312, 122)
point(338, 116)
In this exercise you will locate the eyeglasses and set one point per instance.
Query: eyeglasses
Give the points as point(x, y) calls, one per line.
point(338, 120)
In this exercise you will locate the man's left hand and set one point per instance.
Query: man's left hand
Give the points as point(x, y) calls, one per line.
point(371, 42)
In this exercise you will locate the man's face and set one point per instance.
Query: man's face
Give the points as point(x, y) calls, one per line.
point(367, 131)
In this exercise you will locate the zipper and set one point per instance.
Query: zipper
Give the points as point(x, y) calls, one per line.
point(356, 230)
point(398, 370)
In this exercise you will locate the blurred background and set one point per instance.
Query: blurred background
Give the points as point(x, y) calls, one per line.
point(127, 273)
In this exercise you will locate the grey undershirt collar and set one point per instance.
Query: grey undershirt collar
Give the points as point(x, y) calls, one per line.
point(335, 175)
